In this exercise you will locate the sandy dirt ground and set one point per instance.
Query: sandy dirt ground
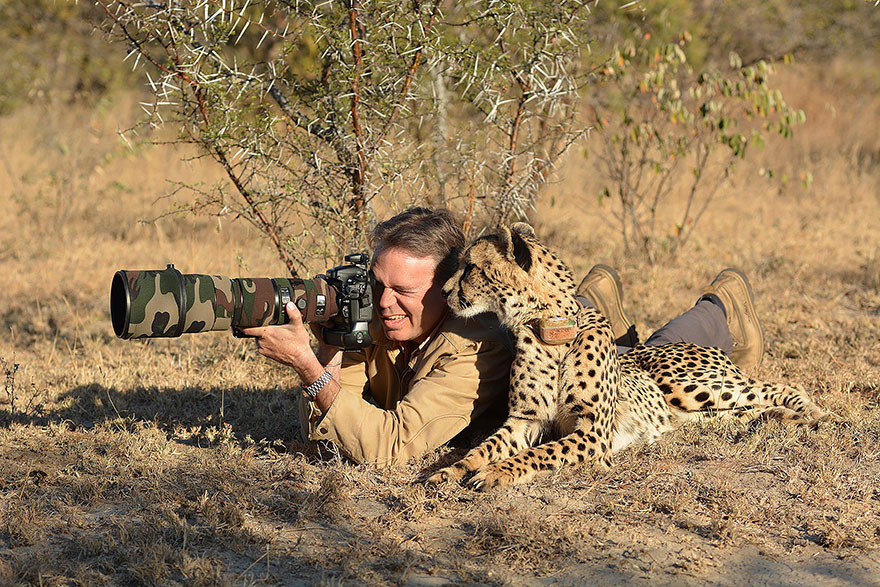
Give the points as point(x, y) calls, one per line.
point(177, 462)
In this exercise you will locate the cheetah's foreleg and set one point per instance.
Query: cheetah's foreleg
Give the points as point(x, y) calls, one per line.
point(580, 446)
point(515, 435)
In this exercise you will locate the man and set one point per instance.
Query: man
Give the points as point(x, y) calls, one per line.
point(429, 373)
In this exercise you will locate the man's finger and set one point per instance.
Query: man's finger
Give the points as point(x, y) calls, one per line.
point(293, 313)
point(255, 331)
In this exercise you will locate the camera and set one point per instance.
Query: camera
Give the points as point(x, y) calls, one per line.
point(164, 303)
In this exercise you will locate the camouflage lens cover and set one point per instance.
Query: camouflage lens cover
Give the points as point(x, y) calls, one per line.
point(256, 304)
point(167, 303)
point(315, 298)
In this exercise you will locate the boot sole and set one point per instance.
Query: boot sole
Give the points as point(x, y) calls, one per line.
point(750, 308)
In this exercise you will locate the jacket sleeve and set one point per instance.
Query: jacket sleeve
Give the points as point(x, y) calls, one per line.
point(458, 388)
point(352, 380)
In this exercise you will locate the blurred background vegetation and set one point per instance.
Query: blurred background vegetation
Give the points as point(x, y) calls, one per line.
point(58, 59)
point(54, 50)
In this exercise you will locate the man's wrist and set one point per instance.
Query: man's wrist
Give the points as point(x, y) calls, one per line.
point(311, 390)
point(328, 360)
point(325, 398)
point(329, 354)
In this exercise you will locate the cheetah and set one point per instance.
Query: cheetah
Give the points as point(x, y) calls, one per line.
point(597, 402)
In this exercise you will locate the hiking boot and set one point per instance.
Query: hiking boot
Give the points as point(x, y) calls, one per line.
point(602, 289)
point(734, 290)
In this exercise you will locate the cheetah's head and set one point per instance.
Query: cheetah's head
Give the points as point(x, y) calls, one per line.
point(510, 274)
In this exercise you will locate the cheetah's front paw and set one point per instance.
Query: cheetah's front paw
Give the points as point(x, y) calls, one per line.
point(448, 474)
point(816, 415)
point(491, 477)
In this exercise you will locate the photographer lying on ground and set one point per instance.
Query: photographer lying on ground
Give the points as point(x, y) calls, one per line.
point(429, 373)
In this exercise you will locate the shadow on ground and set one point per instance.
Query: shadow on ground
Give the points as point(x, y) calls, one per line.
point(270, 414)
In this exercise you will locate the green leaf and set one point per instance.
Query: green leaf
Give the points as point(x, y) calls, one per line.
point(735, 60)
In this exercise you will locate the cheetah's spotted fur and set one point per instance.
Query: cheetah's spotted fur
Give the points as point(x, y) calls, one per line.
point(597, 401)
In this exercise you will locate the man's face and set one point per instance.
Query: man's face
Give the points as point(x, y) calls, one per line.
point(410, 303)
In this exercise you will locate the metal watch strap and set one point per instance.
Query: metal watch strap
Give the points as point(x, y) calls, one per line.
point(311, 391)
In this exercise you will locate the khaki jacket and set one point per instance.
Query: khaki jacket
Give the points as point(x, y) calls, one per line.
point(389, 409)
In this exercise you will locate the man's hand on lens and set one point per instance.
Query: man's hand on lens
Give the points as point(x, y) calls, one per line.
point(288, 344)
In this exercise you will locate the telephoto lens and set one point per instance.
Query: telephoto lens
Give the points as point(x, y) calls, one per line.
point(166, 303)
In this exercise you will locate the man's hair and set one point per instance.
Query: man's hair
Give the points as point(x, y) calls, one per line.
point(423, 232)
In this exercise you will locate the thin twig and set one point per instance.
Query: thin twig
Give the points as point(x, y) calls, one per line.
point(360, 171)
point(215, 147)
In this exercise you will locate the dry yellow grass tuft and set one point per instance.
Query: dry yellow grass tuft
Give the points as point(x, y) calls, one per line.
point(178, 461)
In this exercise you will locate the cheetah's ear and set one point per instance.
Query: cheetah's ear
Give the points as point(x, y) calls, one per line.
point(505, 241)
point(514, 247)
point(523, 229)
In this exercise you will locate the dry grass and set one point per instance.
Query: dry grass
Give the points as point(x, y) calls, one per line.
point(177, 462)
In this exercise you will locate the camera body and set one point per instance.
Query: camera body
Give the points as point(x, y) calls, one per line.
point(353, 284)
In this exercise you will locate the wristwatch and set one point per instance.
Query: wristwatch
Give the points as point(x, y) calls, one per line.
point(311, 391)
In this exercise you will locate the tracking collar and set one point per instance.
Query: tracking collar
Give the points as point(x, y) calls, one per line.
point(554, 330)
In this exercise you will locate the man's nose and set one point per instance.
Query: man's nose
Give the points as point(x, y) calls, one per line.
point(386, 298)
